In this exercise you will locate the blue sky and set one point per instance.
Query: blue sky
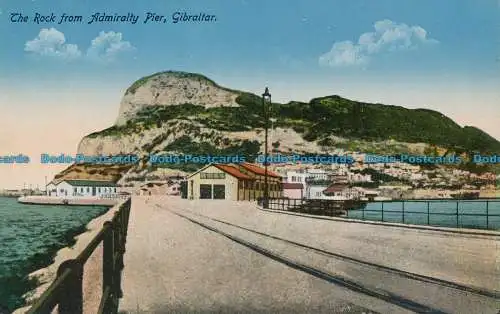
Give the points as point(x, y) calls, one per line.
point(265, 38)
point(443, 55)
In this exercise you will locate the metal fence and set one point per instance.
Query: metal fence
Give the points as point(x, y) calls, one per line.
point(66, 291)
point(311, 206)
point(484, 214)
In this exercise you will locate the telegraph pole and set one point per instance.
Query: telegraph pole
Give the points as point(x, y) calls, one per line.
point(266, 101)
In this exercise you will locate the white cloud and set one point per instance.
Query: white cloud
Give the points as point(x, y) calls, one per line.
point(107, 46)
point(343, 53)
point(52, 43)
point(388, 36)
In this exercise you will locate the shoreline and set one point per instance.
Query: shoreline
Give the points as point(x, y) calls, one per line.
point(70, 201)
point(45, 276)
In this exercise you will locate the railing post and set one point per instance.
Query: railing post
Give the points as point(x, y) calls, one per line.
point(118, 258)
point(108, 265)
point(457, 213)
point(403, 211)
point(428, 213)
point(487, 214)
point(71, 297)
point(382, 211)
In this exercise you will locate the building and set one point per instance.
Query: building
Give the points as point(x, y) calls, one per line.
point(339, 179)
point(293, 190)
point(51, 189)
point(314, 190)
point(233, 182)
point(340, 191)
point(81, 188)
point(306, 176)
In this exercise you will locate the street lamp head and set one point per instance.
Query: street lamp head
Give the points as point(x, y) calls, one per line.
point(266, 93)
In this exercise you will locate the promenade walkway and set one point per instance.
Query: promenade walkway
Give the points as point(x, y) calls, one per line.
point(228, 257)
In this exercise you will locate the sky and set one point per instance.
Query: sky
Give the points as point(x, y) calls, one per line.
point(61, 81)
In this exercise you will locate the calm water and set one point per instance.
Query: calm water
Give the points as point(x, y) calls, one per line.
point(30, 235)
point(471, 214)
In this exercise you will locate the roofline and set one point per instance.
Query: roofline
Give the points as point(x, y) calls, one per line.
point(201, 169)
point(66, 180)
point(215, 165)
point(247, 177)
point(269, 173)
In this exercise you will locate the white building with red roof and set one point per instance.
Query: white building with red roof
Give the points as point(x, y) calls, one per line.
point(238, 182)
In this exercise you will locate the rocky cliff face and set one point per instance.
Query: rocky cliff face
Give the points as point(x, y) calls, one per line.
point(185, 113)
point(171, 89)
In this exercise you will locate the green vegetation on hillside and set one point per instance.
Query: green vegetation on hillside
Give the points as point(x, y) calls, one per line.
point(185, 144)
point(334, 115)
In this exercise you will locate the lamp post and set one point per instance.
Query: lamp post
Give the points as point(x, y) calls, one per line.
point(266, 101)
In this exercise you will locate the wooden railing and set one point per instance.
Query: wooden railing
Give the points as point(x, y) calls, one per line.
point(66, 292)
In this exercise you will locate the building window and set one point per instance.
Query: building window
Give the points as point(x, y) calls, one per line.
point(219, 191)
point(99, 190)
point(209, 175)
point(205, 191)
point(88, 190)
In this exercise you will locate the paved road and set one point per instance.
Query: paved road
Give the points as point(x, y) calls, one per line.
point(187, 256)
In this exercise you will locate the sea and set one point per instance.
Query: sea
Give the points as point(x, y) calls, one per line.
point(30, 236)
point(475, 214)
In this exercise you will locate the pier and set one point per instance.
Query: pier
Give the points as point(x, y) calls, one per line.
point(187, 256)
point(78, 201)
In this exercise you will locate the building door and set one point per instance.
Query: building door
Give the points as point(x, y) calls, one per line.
point(93, 191)
point(220, 191)
point(205, 191)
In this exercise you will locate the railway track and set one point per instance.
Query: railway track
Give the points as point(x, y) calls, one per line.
point(332, 277)
point(405, 274)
